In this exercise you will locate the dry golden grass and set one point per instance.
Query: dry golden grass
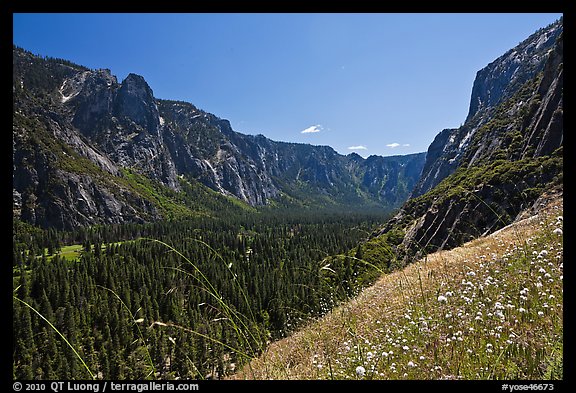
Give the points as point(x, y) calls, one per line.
point(315, 352)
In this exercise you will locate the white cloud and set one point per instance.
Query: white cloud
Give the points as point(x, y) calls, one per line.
point(359, 147)
point(312, 129)
point(395, 145)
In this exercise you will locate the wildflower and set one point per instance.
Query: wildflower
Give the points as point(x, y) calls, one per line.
point(360, 371)
point(524, 291)
point(557, 231)
point(449, 293)
point(406, 348)
point(540, 313)
point(522, 309)
point(442, 299)
point(385, 354)
point(411, 364)
point(422, 358)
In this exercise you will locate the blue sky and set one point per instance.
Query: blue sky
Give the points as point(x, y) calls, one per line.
point(381, 84)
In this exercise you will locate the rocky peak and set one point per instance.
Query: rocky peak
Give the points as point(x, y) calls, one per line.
point(500, 79)
point(135, 101)
point(496, 83)
point(90, 94)
point(480, 176)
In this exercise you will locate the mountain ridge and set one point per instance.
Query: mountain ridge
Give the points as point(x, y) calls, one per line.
point(481, 176)
point(494, 84)
point(74, 111)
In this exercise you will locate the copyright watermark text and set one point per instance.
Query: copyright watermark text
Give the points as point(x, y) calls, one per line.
point(103, 386)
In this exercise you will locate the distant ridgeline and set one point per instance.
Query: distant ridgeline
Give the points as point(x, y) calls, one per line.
point(89, 150)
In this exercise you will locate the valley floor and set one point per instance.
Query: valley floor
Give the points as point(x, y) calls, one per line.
point(491, 309)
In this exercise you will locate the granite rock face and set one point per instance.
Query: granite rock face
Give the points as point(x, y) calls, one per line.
point(493, 85)
point(77, 131)
point(483, 175)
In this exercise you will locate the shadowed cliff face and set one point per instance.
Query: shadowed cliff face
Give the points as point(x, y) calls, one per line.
point(78, 131)
point(481, 176)
point(496, 83)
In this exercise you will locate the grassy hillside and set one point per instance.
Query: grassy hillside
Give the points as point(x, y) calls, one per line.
point(491, 309)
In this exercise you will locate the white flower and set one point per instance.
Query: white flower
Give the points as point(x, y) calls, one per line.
point(385, 354)
point(540, 313)
point(360, 371)
point(411, 364)
point(557, 231)
point(442, 299)
point(522, 309)
point(449, 293)
point(406, 348)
